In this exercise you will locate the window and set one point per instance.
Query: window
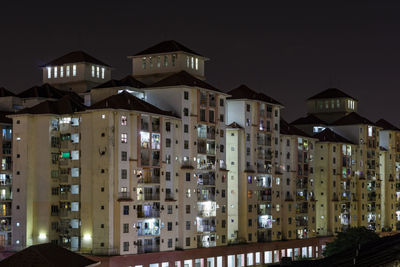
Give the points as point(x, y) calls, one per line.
point(151, 62)
point(169, 226)
point(126, 210)
point(168, 126)
point(165, 61)
point(98, 72)
point(124, 156)
point(126, 228)
point(187, 241)
point(221, 148)
point(126, 246)
point(186, 95)
point(144, 63)
point(211, 116)
point(248, 108)
point(187, 62)
point(187, 225)
point(185, 112)
point(54, 191)
point(186, 144)
point(158, 62)
point(173, 59)
point(202, 114)
point(170, 243)
point(250, 222)
point(192, 61)
point(61, 72)
point(124, 173)
point(48, 72)
point(223, 224)
point(124, 120)
point(221, 117)
point(223, 193)
point(185, 128)
point(67, 69)
point(221, 102)
point(93, 70)
point(55, 72)
point(124, 138)
point(197, 63)
point(168, 176)
point(169, 209)
point(73, 70)
point(188, 177)
point(168, 142)
point(187, 209)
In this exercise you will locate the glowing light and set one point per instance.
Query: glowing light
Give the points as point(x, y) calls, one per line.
point(42, 236)
point(87, 237)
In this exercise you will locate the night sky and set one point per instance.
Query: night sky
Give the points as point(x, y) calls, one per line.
point(290, 50)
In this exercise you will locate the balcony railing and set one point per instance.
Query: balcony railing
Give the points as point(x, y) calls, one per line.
point(206, 228)
point(124, 196)
point(148, 214)
point(148, 249)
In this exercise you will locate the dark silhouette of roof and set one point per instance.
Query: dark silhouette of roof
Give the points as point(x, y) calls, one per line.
point(287, 129)
point(48, 91)
point(47, 255)
point(166, 47)
point(234, 125)
point(309, 120)
point(352, 119)
point(75, 57)
point(65, 105)
point(4, 92)
point(184, 78)
point(4, 119)
point(127, 81)
point(331, 93)
point(328, 135)
point(127, 101)
point(386, 125)
point(244, 92)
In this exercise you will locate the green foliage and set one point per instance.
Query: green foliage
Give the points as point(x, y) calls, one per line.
point(349, 239)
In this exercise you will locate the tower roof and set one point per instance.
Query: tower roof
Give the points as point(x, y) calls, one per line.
point(4, 92)
point(386, 125)
point(244, 92)
point(127, 81)
point(65, 105)
point(48, 91)
point(328, 135)
point(167, 47)
point(352, 119)
point(309, 120)
point(287, 129)
point(331, 93)
point(75, 57)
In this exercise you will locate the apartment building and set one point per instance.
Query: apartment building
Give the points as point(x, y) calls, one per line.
point(298, 203)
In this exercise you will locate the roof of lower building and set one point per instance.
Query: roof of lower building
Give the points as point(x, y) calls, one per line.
point(328, 135)
point(386, 125)
point(4, 92)
point(128, 81)
point(65, 105)
point(352, 119)
point(47, 255)
point(4, 118)
point(244, 92)
point(287, 129)
point(48, 91)
point(184, 78)
point(234, 125)
point(167, 47)
point(331, 93)
point(127, 101)
point(309, 120)
point(75, 57)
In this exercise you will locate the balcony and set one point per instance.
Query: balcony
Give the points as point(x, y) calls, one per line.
point(124, 196)
point(150, 246)
point(153, 213)
point(205, 228)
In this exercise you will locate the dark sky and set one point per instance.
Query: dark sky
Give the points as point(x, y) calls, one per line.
point(289, 50)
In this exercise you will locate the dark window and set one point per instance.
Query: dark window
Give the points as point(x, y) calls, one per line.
point(126, 210)
point(186, 95)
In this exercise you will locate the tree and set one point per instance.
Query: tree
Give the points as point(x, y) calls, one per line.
point(348, 239)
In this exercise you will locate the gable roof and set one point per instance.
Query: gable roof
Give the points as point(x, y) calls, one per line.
point(244, 92)
point(166, 47)
point(386, 125)
point(75, 57)
point(4, 92)
point(128, 81)
point(234, 125)
point(184, 78)
point(331, 93)
point(47, 255)
point(309, 120)
point(287, 129)
point(127, 101)
point(65, 105)
point(328, 135)
point(48, 91)
point(352, 119)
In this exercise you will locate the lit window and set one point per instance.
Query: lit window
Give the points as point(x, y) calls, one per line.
point(102, 73)
point(48, 72)
point(103, 116)
point(278, 181)
point(158, 62)
point(187, 62)
point(165, 61)
point(124, 138)
point(192, 60)
point(61, 72)
point(98, 72)
point(73, 70)
point(197, 63)
point(55, 72)
point(151, 62)
point(92, 71)
point(173, 60)
point(369, 131)
point(123, 120)
point(67, 71)
point(144, 63)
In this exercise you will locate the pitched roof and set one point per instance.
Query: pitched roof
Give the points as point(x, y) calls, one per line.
point(3, 118)
point(328, 135)
point(166, 47)
point(75, 57)
point(331, 93)
point(127, 101)
point(234, 125)
point(184, 78)
point(287, 129)
point(310, 119)
point(65, 105)
point(47, 255)
point(127, 81)
point(352, 119)
point(386, 125)
point(244, 92)
point(4, 92)
point(48, 91)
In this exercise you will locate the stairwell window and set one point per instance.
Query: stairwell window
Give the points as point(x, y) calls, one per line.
point(197, 63)
point(93, 71)
point(165, 61)
point(67, 70)
point(173, 60)
point(187, 62)
point(144, 63)
point(98, 72)
point(192, 61)
point(102, 73)
point(73, 70)
point(55, 72)
point(158, 62)
point(61, 72)
point(48, 72)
